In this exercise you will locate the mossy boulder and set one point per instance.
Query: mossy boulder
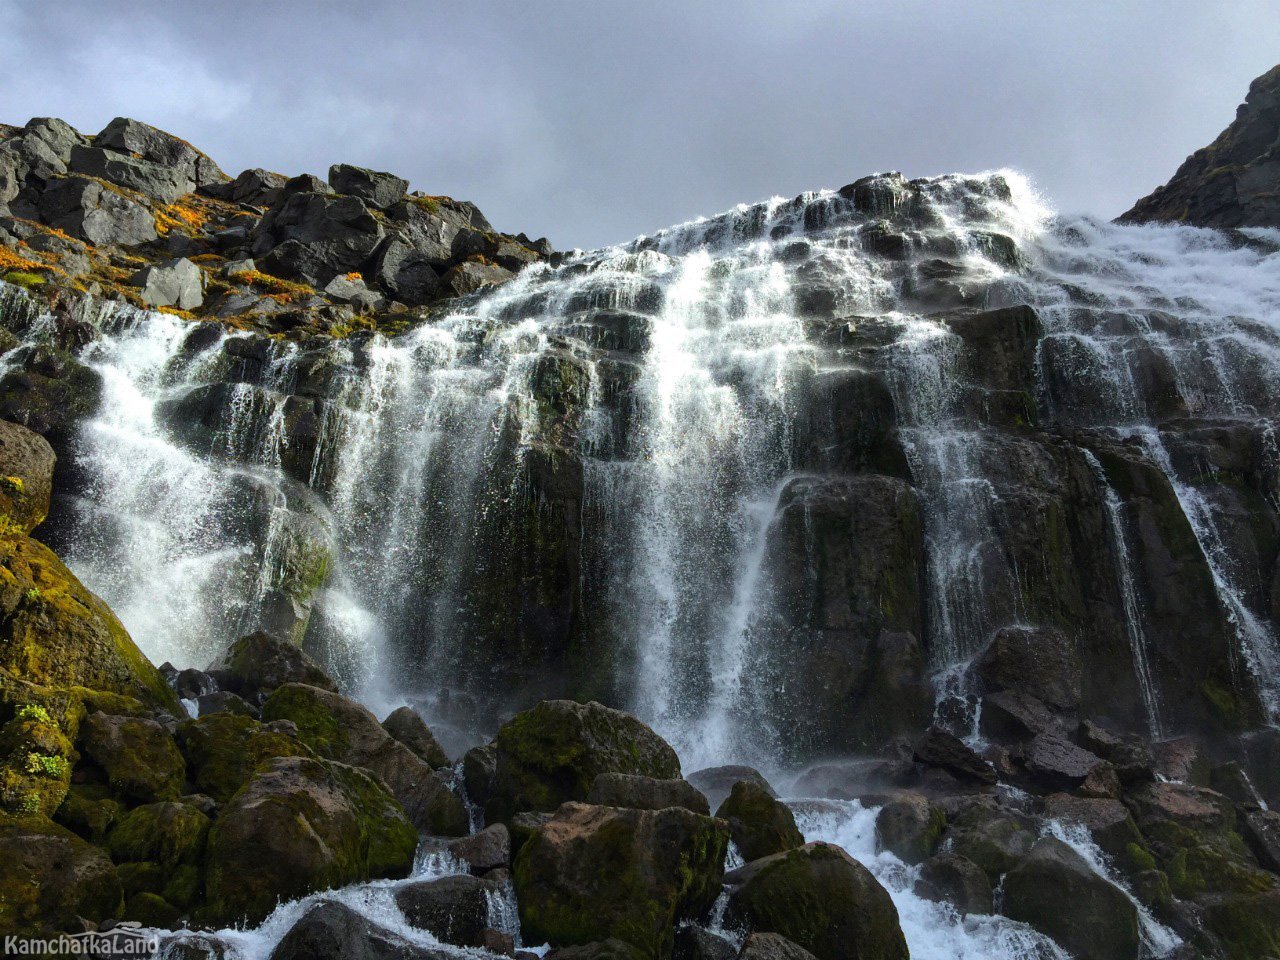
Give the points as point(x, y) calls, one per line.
point(594, 873)
point(338, 728)
point(820, 898)
point(1056, 891)
point(553, 753)
point(89, 810)
point(140, 759)
point(257, 664)
point(59, 640)
point(301, 825)
point(405, 725)
point(909, 827)
point(1248, 926)
point(35, 763)
point(165, 833)
point(993, 838)
point(225, 750)
point(26, 478)
point(759, 824)
point(50, 878)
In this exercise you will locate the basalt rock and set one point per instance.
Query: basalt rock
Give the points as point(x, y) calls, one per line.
point(259, 663)
point(50, 878)
point(909, 827)
point(716, 783)
point(592, 873)
point(330, 930)
point(950, 878)
point(760, 825)
point(26, 460)
point(646, 793)
point(298, 826)
point(821, 899)
point(405, 725)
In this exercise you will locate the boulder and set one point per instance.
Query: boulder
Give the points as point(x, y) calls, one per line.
point(341, 729)
point(716, 783)
point(909, 827)
point(314, 237)
point(645, 793)
point(1056, 891)
point(405, 725)
point(1057, 764)
point(1009, 716)
point(35, 762)
point(165, 184)
point(379, 190)
point(330, 930)
point(174, 283)
point(821, 899)
point(485, 850)
point(553, 753)
point(592, 873)
point(471, 276)
point(993, 838)
point(224, 701)
point(224, 751)
point(942, 749)
point(770, 946)
point(405, 273)
point(1261, 830)
point(1129, 754)
point(256, 187)
point(1042, 662)
point(49, 391)
point(298, 826)
point(138, 756)
point(1108, 821)
point(454, 909)
point(26, 478)
point(695, 943)
point(127, 136)
point(759, 824)
point(50, 878)
point(257, 664)
point(168, 833)
point(950, 878)
point(611, 949)
point(95, 213)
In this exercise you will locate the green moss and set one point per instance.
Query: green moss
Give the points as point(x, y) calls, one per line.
point(35, 771)
point(317, 727)
point(21, 278)
point(90, 811)
point(166, 833)
point(1139, 858)
point(224, 751)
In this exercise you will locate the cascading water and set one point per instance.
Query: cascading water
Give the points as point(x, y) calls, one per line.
point(619, 477)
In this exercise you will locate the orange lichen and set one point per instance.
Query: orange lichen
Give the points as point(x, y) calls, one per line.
point(281, 291)
point(355, 275)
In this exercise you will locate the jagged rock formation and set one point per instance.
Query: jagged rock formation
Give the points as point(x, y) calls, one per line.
point(138, 214)
point(1233, 182)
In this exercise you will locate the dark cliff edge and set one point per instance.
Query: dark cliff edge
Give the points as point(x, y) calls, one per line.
point(1233, 182)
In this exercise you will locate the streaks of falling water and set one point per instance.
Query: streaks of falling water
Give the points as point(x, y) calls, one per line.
point(1139, 642)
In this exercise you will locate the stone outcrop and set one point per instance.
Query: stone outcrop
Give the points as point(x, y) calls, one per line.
point(1233, 182)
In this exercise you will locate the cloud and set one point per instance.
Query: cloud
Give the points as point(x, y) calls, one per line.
point(593, 122)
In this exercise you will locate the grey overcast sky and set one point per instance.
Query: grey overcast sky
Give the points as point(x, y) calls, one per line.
point(592, 122)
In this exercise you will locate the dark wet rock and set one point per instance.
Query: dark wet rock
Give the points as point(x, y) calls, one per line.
point(1182, 759)
point(1010, 716)
point(821, 899)
point(298, 826)
point(471, 276)
point(994, 839)
point(138, 756)
point(645, 793)
point(1054, 763)
point(611, 949)
point(224, 701)
point(175, 283)
point(1129, 754)
point(1261, 830)
point(759, 824)
point(260, 662)
point(695, 943)
point(333, 931)
point(377, 189)
point(554, 752)
point(341, 729)
point(950, 878)
point(26, 477)
point(405, 725)
point(50, 393)
point(1108, 821)
point(716, 783)
point(51, 878)
point(454, 909)
point(852, 779)
point(770, 946)
point(591, 873)
point(1041, 662)
point(909, 827)
point(1056, 891)
point(1231, 780)
point(942, 749)
point(485, 850)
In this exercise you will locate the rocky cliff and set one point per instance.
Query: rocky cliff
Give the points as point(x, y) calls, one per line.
point(1233, 182)
point(958, 518)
